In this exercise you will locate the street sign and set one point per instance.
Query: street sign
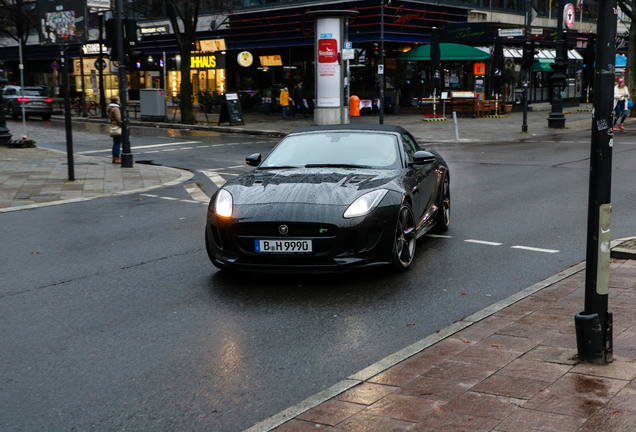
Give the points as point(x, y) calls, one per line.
point(512, 32)
point(380, 69)
point(100, 65)
point(568, 15)
point(55, 65)
point(115, 64)
point(348, 45)
point(348, 54)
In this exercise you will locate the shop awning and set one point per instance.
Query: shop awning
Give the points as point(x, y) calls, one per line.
point(542, 65)
point(448, 51)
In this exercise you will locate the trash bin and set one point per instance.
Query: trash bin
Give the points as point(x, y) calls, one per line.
point(354, 106)
point(152, 104)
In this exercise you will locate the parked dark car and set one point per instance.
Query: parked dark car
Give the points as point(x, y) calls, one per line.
point(330, 198)
point(35, 100)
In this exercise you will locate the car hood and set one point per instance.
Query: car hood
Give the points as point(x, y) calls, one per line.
point(308, 186)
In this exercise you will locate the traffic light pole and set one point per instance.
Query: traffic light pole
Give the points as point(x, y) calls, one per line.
point(382, 62)
point(594, 324)
point(126, 155)
point(527, 70)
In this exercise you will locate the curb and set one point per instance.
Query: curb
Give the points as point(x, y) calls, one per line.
point(183, 177)
point(223, 129)
point(620, 252)
point(390, 361)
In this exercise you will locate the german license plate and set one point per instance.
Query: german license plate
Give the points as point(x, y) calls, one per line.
point(282, 246)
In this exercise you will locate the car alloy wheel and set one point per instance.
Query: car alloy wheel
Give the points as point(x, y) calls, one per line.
point(443, 221)
point(405, 240)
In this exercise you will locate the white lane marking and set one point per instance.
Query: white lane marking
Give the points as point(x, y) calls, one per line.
point(146, 146)
point(150, 195)
point(152, 151)
point(483, 242)
point(438, 236)
point(535, 249)
point(225, 173)
point(237, 166)
point(170, 198)
point(215, 177)
point(169, 150)
point(195, 192)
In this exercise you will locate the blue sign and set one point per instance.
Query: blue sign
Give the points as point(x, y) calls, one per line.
point(325, 36)
point(348, 45)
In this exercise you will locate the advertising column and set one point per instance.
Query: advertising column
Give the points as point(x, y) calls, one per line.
point(330, 38)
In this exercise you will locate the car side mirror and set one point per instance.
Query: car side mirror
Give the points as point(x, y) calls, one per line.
point(422, 157)
point(253, 159)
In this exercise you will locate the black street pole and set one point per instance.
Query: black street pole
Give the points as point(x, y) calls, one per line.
point(67, 115)
point(382, 61)
point(5, 136)
point(594, 324)
point(102, 96)
point(556, 119)
point(83, 86)
point(527, 71)
point(126, 155)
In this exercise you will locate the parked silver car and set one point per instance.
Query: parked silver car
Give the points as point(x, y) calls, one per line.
point(34, 99)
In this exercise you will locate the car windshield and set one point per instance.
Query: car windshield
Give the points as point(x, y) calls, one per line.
point(33, 92)
point(335, 149)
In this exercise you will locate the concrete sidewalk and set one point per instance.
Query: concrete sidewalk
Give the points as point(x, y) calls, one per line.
point(511, 367)
point(33, 177)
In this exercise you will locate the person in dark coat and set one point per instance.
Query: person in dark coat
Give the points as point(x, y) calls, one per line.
point(298, 96)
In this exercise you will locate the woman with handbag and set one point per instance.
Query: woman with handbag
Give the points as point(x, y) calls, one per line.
point(114, 115)
point(621, 99)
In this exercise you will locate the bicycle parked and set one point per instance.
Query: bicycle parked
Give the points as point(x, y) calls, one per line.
point(92, 108)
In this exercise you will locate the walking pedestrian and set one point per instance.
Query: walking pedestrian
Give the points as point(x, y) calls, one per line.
point(299, 100)
point(114, 115)
point(621, 98)
point(284, 99)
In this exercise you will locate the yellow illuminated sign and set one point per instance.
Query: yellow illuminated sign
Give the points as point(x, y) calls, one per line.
point(202, 60)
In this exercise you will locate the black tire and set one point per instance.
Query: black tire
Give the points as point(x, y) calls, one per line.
point(75, 110)
point(94, 110)
point(405, 239)
point(14, 113)
point(443, 217)
point(46, 117)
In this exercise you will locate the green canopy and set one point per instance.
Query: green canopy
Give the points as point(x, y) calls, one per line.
point(449, 51)
point(542, 65)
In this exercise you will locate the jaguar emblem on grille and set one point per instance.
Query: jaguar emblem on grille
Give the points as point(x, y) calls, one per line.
point(283, 229)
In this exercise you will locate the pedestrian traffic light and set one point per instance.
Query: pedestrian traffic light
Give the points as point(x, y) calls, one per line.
point(376, 51)
point(529, 51)
point(129, 34)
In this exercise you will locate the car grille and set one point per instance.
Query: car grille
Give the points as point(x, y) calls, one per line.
point(323, 236)
point(306, 230)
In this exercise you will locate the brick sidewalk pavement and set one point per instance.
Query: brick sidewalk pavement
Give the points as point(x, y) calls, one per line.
point(513, 368)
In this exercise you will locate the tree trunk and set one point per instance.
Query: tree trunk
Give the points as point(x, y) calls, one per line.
point(187, 110)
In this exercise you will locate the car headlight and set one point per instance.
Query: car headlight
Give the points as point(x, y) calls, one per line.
point(365, 204)
point(223, 203)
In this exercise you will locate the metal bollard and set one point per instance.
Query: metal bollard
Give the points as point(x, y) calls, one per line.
point(456, 129)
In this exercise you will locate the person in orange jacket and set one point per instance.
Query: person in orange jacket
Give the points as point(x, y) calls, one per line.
point(284, 99)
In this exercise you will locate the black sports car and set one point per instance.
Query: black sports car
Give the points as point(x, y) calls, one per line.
point(328, 198)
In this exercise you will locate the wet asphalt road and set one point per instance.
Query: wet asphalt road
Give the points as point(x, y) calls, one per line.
point(113, 318)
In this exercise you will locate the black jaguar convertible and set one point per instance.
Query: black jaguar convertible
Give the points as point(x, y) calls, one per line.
point(329, 198)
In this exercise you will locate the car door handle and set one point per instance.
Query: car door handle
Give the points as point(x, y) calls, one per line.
point(416, 189)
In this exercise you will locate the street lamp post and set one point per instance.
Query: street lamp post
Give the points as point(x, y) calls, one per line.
point(557, 119)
